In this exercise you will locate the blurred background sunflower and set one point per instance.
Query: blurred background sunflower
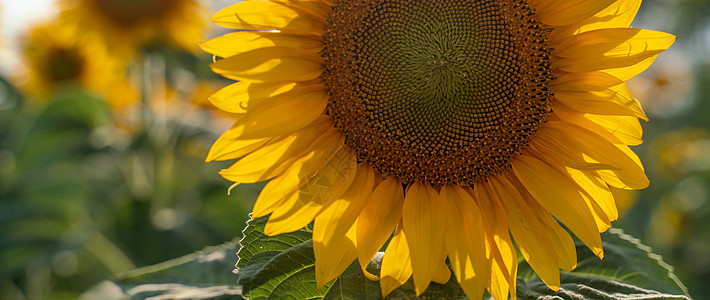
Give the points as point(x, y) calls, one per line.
point(127, 25)
point(53, 58)
point(101, 174)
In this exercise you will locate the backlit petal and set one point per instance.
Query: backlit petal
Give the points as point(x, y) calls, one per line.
point(273, 64)
point(564, 12)
point(396, 264)
point(609, 49)
point(465, 240)
point(378, 219)
point(421, 218)
point(251, 15)
point(558, 194)
point(527, 230)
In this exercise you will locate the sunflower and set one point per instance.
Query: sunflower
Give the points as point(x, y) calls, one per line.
point(52, 57)
point(125, 25)
point(449, 126)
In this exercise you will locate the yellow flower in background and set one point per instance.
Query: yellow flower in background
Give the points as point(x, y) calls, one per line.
point(451, 124)
point(53, 57)
point(124, 25)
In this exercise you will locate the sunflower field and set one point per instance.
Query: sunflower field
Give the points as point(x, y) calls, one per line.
point(354, 149)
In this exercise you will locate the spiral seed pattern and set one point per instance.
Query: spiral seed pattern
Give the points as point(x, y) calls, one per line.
point(437, 91)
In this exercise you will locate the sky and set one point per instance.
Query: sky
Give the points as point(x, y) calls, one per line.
point(15, 17)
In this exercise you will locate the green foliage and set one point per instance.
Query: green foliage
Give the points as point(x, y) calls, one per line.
point(283, 267)
point(590, 287)
point(84, 196)
point(629, 270)
point(205, 274)
point(264, 245)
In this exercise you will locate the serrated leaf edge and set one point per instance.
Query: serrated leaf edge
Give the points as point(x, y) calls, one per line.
point(244, 236)
point(649, 252)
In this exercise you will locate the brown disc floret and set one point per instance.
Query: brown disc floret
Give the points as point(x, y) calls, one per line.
point(437, 91)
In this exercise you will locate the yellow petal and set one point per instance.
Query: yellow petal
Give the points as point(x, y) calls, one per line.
point(396, 264)
point(284, 186)
point(617, 15)
point(281, 115)
point(562, 242)
point(378, 219)
point(334, 257)
point(583, 184)
point(338, 215)
point(317, 8)
point(442, 274)
point(588, 146)
point(251, 169)
point(326, 184)
point(527, 230)
point(268, 15)
point(627, 129)
point(596, 93)
point(628, 72)
point(557, 194)
point(594, 190)
point(620, 180)
point(422, 217)
point(465, 240)
point(504, 262)
point(603, 195)
point(565, 157)
point(610, 48)
point(617, 129)
point(243, 41)
point(564, 12)
point(597, 195)
point(237, 97)
point(272, 64)
point(228, 147)
point(336, 221)
point(272, 158)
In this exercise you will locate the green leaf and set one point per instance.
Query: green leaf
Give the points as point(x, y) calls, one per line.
point(589, 287)
point(276, 265)
point(354, 283)
point(283, 266)
point(257, 242)
point(286, 273)
point(206, 274)
point(576, 286)
point(629, 270)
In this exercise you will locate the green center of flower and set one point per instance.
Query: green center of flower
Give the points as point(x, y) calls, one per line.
point(437, 91)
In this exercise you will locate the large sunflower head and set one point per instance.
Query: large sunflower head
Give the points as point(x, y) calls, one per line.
point(127, 24)
point(450, 124)
point(53, 57)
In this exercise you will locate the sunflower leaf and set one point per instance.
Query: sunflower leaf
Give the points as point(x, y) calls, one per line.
point(576, 286)
point(283, 266)
point(276, 265)
point(256, 242)
point(629, 270)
